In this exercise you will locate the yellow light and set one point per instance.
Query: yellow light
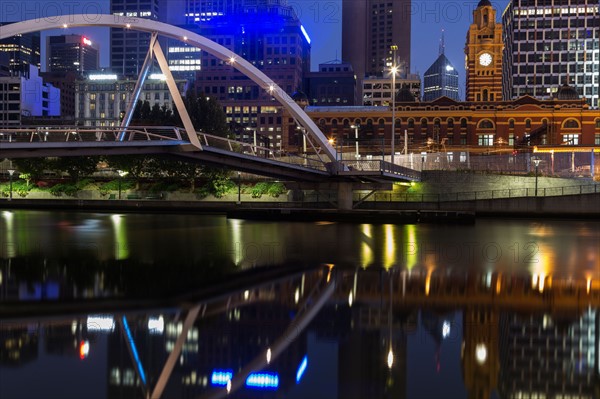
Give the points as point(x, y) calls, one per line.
point(481, 353)
point(232, 59)
point(588, 286)
point(65, 26)
point(390, 247)
point(331, 141)
point(428, 281)
point(350, 299)
point(128, 26)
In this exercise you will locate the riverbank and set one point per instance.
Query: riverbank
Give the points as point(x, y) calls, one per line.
point(572, 206)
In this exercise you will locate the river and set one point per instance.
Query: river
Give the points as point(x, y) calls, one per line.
point(93, 304)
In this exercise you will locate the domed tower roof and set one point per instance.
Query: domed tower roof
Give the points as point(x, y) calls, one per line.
point(566, 92)
point(484, 3)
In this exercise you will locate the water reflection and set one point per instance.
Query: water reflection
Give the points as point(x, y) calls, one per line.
point(462, 338)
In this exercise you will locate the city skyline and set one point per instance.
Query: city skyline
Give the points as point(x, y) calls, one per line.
point(322, 20)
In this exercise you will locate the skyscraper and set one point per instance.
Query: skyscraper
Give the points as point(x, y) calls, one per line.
point(369, 30)
point(128, 48)
point(550, 43)
point(71, 53)
point(22, 50)
point(441, 79)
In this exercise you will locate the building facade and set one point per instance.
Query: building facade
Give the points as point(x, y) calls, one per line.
point(441, 79)
point(549, 43)
point(275, 44)
point(71, 53)
point(471, 126)
point(102, 99)
point(369, 30)
point(333, 84)
point(377, 92)
point(22, 96)
point(128, 48)
point(22, 50)
point(483, 50)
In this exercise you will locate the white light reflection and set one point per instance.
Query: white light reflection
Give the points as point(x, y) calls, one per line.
point(390, 247)
point(236, 240)
point(390, 358)
point(446, 329)
point(366, 253)
point(268, 355)
point(481, 353)
point(156, 325)
point(350, 299)
point(9, 237)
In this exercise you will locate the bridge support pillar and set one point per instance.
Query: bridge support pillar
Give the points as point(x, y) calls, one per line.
point(344, 196)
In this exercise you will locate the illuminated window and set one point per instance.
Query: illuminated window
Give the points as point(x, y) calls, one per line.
point(571, 139)
point(486, 140)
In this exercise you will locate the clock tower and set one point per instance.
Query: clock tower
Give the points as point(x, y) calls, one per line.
point(483, 61)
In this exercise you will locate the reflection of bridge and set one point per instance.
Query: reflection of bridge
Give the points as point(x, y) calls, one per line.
point(187, 142)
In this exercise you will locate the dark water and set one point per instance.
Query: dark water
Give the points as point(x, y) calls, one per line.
point(92, 305)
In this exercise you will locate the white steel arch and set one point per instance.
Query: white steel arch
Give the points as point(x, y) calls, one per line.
point(148, 25)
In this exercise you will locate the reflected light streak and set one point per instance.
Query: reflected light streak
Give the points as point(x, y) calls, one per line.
point(366, 253)
point(410, 231)
point(389, 258)
point(120, 234)
point(134, 351)
point(390, 358)
point(301, 369)
point(428, 281)
point(9, 237)
point(236, 240)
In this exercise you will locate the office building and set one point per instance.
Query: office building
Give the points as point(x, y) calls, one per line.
point(441, 79)
point(333, 84)
point(377, 91)
point(101, 99)
point(369, 30)
point(71, 53)
point(23, 50)
point(549, 43)
point(128, 48)
point(26, 96)
point(273, 42)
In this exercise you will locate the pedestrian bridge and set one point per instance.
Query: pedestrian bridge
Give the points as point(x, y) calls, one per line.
point(61, 141)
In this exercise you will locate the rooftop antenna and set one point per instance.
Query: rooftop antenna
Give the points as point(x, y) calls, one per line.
point(442, 44)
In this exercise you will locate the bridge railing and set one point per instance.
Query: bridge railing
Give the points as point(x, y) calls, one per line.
point(88, 133)
point(262, 152)
point(377, 165)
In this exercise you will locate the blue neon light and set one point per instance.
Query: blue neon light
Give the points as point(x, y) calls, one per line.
point(301, 369)
point(305, 34)
point(220, 377)
point(263, 380)
point(134, 351)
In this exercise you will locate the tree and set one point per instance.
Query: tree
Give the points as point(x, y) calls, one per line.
point(34, 167)
point(76, 167)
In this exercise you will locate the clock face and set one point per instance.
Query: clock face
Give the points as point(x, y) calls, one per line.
point(485, 59)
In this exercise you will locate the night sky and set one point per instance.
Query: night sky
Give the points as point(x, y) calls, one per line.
point(321, 18)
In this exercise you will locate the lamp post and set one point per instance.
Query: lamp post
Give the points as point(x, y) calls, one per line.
point(356, 127)
point(11, 172)
point(121, 173)
point(394, 70)
point(536, 162)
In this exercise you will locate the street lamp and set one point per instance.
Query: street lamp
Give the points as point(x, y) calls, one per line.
point(11, 172)
point(394, 70)
point(536, 162)
point(122, 174)
point(356, 127)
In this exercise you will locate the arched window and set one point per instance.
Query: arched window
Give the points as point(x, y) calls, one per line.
point(437, 122)
point(528, 123)
point(424, 123)
point(463, 123)
point(450, 123)
point(598, 123)
point(398, 124)
point(486, 124)
point(411, 123)
point(545, 122)
point(571, 124)
point(484, 95)
point(511, 123)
